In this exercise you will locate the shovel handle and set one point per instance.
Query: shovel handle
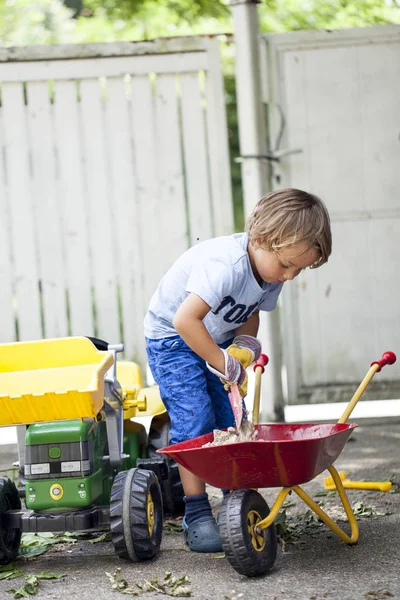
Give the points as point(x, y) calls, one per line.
point(388, 358)
point(261, 363)
point(259, 370)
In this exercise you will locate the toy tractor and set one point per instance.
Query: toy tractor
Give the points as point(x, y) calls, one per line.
point(84, 465)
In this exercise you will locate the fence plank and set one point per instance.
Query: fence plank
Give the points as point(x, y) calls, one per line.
point(100, 228)
point(196, 167)
point(16, 142)
point(173, 226)
point(151, 216)
point(222, 205)
point(7, 324)
point(47, 210)
point(74, 209)
point(129, 264)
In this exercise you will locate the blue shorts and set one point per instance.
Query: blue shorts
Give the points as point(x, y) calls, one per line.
point(195, 398)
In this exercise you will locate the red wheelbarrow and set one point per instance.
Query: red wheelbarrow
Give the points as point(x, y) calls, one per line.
point(282, 455)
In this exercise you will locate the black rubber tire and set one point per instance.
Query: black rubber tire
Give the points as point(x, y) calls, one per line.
point(133, 535)
point(171, 488)
point(9, 538)
point(238, 511)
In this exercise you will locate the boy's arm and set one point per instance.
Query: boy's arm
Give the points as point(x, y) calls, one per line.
point(188, 322)
point(250, 327)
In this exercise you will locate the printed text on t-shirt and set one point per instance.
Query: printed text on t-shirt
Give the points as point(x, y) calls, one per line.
point(237, 313)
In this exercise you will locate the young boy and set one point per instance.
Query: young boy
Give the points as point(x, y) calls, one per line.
point(210, 299)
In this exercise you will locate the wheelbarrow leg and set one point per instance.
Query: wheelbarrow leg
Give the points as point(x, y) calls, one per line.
point(352, 539)
point(275, 509)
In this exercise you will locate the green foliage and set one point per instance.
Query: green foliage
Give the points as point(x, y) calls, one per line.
point(154, 19)
point(75, 5)
point(147, 19)
point(182, 10)
point(23, 22)
point(291, 15)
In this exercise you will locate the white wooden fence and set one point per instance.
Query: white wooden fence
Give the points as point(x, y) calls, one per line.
point(114, 160)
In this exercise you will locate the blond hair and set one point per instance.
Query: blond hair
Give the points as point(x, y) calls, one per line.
point(288, 217)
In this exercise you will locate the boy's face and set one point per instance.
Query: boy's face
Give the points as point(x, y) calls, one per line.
point(283, 265)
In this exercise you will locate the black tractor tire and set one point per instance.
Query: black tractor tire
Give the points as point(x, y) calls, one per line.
point(171, 488)
point(9, 538)
point(249, 552)
point(136, 514)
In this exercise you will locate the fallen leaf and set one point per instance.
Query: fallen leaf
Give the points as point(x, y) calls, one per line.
point(10, 572)
point(31, 585)
point(173, 526)
point(30, 588)
point(378, 595)
point(47, 575)
point(104, 537)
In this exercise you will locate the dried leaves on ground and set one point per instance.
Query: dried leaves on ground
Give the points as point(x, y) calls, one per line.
point(169, 586)
point(295, 529)
point(31, 584)
point(33, 544)
point(173, 526)
point(291, 530)
point(378, 595)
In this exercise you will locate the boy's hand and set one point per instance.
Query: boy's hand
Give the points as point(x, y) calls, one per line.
point(234, 373)
point(246, 349)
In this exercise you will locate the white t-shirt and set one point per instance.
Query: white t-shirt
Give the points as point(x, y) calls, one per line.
point(219, 271)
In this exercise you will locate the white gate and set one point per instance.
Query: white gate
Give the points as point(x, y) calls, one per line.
point(114, 160)
point(334, 116)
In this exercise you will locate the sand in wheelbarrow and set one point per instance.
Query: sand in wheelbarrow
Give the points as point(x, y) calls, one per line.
point(245, 433)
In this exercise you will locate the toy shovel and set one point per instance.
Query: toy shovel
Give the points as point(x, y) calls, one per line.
point(237, 404)
point(236, 399)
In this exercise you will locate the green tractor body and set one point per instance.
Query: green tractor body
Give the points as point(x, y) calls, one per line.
point(64, 467)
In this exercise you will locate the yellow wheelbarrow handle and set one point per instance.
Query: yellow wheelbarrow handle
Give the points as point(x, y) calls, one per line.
point(388, 358)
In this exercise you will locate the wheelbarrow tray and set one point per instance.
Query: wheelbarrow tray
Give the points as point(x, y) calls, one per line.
point(282, 455)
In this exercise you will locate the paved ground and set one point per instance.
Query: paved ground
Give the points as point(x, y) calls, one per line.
point(317, 567)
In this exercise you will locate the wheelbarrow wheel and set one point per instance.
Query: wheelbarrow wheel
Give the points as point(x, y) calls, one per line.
point(136, 514)
point(250, 552)
point(171, 488)
point(9, 538)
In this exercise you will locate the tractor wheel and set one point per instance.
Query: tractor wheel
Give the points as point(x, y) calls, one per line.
point(250, 552)
point(9, 538)
point(136, 514)
point(171, 488)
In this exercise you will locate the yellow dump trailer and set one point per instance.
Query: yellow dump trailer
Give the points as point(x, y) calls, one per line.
point(51, 380)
